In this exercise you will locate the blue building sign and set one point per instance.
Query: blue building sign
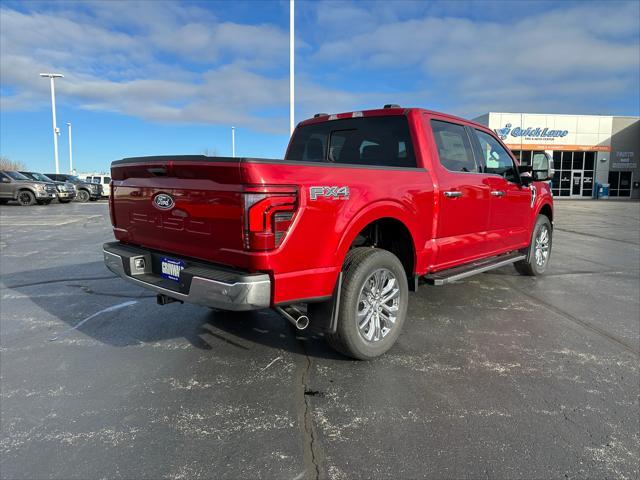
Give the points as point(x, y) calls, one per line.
point(530, 133)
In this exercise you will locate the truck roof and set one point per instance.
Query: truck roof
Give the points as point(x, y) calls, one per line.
point(378, 112)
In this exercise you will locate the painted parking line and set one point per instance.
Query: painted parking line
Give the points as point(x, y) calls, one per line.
point(45, 222)
point(105, 310)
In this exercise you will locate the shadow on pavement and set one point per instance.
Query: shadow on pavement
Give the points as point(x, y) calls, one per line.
point(74, 292)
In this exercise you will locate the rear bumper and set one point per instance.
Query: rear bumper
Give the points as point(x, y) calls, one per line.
point(200, 283)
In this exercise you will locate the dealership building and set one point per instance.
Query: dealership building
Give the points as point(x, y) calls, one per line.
point(586, 149)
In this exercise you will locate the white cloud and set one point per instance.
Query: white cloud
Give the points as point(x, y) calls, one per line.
point(175, 62)
point(566, 56)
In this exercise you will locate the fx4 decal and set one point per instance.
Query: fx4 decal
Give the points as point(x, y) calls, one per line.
point(335, 193)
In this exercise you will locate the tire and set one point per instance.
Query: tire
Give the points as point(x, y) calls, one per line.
point(537, 261)
point(82, 196)
point(93, 199)
point(26, 198)
point(362, 268)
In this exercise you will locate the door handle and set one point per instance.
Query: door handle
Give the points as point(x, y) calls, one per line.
point(452, 194)
point(497, 193)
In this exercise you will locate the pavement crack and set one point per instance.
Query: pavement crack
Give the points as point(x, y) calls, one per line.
point(612, 338)
point(58, 280)
point(593, 235)
point(312, 451)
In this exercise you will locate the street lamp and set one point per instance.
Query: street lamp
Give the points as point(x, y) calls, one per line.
point(233, 141)
point(292, 88)
point(56, 131)
point(70, 150)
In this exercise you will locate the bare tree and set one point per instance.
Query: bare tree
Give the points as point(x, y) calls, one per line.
point(7, 164)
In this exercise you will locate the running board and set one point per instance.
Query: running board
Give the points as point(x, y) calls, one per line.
point(457, 273)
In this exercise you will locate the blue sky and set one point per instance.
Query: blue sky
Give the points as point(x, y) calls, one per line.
point(164, 77)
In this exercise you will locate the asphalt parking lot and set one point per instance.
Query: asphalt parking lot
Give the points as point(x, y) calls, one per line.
point(496, 376)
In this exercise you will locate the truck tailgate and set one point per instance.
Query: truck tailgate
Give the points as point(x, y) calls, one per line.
point(185, 205)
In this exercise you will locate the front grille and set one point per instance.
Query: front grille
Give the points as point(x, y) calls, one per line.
point(50, 189)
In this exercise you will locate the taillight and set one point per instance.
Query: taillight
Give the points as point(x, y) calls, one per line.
point(112, 210)
point(268, 214)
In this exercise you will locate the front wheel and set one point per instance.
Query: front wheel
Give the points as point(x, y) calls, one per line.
point(539, 249)
point(26, 198)
point(373, 304)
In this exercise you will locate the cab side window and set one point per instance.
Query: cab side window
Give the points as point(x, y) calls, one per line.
point(454, 147)
point(496, 159)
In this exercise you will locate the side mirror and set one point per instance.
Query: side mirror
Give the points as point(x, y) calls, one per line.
point(541, 167)
point(5, 180)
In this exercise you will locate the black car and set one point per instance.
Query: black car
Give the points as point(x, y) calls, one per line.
point(66, 190)
point(85, 191)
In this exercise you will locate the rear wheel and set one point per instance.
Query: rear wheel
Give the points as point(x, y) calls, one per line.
point(82, 196)
point(373, 304)
point(539, 249)
point(26, 198)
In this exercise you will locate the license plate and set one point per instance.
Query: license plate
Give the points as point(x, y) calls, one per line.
point(170, 268)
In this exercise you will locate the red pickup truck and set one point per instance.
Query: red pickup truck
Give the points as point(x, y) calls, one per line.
point(364, 206)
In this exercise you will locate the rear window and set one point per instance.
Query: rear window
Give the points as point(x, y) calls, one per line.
point(375, 141)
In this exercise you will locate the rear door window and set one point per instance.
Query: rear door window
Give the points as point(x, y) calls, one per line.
point(454, 147)
point(372, 141)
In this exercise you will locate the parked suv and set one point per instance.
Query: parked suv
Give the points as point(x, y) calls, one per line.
point(85, 191)
point(363, 207)
point(100, 178)
point(66, 190)
point(15, 186)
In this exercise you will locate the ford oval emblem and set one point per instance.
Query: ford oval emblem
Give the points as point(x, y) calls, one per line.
point(163, 201)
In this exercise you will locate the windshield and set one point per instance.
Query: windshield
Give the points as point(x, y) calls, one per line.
point(17, 176)
point(374, 141)
point(38, 176)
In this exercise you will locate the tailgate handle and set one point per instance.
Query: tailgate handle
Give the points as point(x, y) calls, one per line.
point(157, 171)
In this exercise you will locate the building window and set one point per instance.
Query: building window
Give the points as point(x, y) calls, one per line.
point(619, 184)
point(574, 174)
point(524, 156)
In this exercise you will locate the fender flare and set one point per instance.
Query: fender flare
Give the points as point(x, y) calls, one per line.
point(538, 211)
point(377, 211)
point(22, 189)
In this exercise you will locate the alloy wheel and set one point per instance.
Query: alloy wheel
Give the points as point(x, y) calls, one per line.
point(541, 251)
point(378, 305)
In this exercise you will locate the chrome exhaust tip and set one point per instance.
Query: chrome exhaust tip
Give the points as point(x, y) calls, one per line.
point(294, 316)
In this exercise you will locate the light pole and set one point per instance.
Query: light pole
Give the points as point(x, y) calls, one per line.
point(292, 96)
point(56, 131)
point(70, 150)
point(233, 141)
